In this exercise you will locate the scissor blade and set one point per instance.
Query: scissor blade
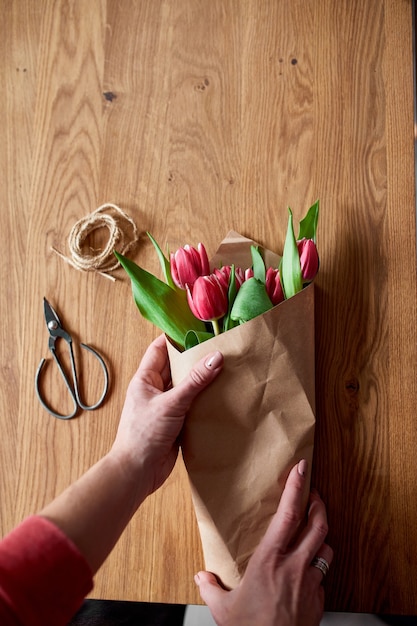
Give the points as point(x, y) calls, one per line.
point(50, 314)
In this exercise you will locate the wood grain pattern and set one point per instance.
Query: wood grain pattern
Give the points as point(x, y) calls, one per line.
point(198, 117)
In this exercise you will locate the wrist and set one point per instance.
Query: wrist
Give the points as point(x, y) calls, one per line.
point(134, 472)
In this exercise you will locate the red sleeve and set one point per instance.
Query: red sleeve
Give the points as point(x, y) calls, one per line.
point(43, 576)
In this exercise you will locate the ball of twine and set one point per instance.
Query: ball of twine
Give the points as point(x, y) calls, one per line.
point(123, 233)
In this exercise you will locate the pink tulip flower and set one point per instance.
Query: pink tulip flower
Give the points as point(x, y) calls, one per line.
point(207, 299)
point(249, 273)
point(223, 274)
point(187, 264)
point(273, 286)
point(309, 259)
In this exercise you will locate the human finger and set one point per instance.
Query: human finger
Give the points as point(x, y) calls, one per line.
point(313, 535)
point(201, 375)
point(156, 355)
point(155, 361)
point(210, 590)
point(290, 512)
point(321, 562)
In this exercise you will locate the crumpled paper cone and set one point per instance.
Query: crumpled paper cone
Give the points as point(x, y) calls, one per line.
point(245, 431)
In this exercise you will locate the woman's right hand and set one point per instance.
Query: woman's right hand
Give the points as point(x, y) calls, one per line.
point(280, 586)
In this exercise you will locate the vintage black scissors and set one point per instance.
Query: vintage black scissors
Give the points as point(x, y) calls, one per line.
point(57, 332)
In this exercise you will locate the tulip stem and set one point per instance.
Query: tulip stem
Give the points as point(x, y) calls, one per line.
point(216, 328)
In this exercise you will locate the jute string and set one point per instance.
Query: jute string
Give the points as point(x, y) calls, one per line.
point(123, 233)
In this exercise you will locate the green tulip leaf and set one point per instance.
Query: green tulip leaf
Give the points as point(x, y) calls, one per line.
point(251, 301)
point(194, 337)
point(308, 225)
point(228, 323)
point(258, 264)
point(165, 307)
point(290, 268)
point(165, 264)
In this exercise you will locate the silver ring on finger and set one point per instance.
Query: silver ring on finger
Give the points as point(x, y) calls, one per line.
point(320, 563)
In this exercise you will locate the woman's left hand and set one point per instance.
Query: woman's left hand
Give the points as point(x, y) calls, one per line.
point(154, 412)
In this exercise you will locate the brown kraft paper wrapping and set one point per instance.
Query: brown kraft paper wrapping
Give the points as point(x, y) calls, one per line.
point(245, 431)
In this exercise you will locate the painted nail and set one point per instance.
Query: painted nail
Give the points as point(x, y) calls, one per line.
point(302, 467)
point(214, 361)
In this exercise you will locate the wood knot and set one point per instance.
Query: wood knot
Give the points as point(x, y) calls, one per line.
point(202, 85)
point(352, 386)
point(109, 96)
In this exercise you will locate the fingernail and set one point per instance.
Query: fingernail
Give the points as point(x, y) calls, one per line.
point(215, 360)
point(197, 579)
point(302, 467)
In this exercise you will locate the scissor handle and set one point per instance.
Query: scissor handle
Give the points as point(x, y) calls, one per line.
point(42, 401)
point(74, 393)
point(106, 378)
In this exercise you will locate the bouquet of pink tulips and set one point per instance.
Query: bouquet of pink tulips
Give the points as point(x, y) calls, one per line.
point(256, 420)
point(195, 302)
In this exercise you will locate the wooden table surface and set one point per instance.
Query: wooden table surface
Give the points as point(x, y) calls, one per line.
point(197, 117)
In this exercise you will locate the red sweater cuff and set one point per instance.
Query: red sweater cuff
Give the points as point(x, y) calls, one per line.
point(43, 576)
